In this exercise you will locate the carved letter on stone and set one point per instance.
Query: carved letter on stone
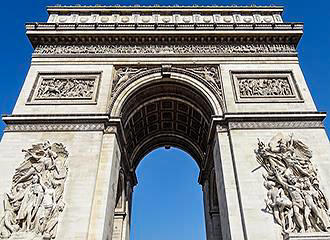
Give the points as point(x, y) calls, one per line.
point(35, 201)
point(294, 196)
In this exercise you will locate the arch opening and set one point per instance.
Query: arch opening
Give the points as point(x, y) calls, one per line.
point(166, 113)
point(164, 206)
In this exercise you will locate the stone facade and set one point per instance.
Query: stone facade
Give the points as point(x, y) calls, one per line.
point(109, 84)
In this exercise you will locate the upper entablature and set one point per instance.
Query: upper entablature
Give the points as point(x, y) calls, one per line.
point(165, 14)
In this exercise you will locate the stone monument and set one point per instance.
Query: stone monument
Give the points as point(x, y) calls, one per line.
point(109, 84)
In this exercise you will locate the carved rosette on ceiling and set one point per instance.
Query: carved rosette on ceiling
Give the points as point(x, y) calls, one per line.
point(294, 195)
point(207, 74)
point(35, 201)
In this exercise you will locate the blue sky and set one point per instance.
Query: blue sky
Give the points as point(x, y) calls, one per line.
point(168, 200)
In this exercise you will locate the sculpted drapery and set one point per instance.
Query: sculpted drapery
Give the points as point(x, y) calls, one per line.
point(35, 200)
point(294, 196)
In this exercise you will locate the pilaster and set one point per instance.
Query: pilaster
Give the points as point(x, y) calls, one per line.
point(102, 212)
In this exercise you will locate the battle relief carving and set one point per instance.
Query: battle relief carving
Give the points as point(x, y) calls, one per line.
point(265, 87)
point(65, 88)
point(35, 201)
point(252, 87)
point(294, 195)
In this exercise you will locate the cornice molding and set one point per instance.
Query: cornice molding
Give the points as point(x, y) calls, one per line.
point(157, 7)
point(164, 26)
point(276, 125)
point(50, 127)
point(169, 33)
point(101, 122)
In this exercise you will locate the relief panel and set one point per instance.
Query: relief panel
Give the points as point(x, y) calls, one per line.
point(34, 204)
point(65, 88)
point(265, 87)
point(294, 195)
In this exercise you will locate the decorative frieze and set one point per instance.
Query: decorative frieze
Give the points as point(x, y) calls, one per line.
point(156, 18)
point(159, 49)
point(54, 127)
point(65, 88)
point(275, 124)
point(294, 195)
point(265, 87)
point(35, 201)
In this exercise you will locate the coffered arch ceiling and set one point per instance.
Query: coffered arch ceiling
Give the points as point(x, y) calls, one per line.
point(167, 113)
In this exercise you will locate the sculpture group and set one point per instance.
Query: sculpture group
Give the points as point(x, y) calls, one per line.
point(35, 201)
point(294, 195)
point(66, 88)
point(264, 87)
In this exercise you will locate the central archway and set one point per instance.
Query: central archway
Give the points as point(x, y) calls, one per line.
point(168, 201)
point(167, 108)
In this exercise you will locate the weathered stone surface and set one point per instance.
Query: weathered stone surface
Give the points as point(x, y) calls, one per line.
point(113, 83)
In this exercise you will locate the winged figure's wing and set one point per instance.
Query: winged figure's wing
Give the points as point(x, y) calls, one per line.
point(301, 150)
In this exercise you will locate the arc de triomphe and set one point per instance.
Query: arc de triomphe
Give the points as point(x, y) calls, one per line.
point(109, 84)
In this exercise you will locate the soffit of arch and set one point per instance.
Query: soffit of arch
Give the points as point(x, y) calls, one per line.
point(165, 105)
point(163, 139)
point(172, 118)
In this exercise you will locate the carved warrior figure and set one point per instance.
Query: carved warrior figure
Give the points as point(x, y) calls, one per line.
point(35, 200)
point(294, 196)
point(66, 88)
point(165, 49)
point(264, 87)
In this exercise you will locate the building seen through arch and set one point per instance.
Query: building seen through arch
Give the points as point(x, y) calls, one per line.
point(109, 84)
